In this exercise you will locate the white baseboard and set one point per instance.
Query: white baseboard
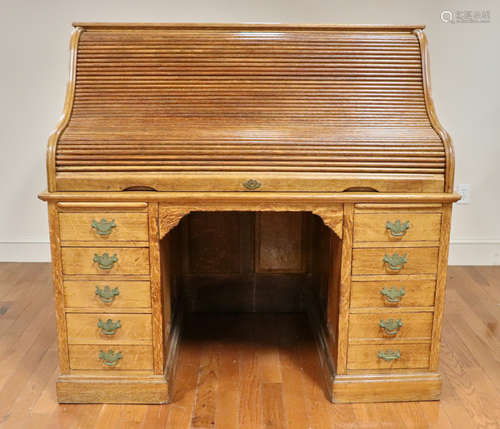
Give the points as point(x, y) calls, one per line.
point(462, 252)
point(474, 252)
point(23, 251)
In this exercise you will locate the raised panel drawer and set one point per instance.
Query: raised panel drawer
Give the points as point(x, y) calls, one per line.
point(373, 227)
point(90, 226)
point(90, 357)
point(420, 260)
point(107, 295)
point(398, 293)
point(129, 260)
point(413, 326)
point(360, 356)
point(84, 329)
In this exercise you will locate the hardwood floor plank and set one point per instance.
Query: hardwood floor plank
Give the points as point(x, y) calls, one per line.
point(272, 402)
point(316, 402)
point(228, 393)
point(22, 369)
point(267, 332)
point(206, 390)
point(109, 416)
point(250, 413)
point(435, 415)
point(156, 417)
point(132, 416)
point(33, 388)
point(468, 403)
point(88, 416)
point(294, 398)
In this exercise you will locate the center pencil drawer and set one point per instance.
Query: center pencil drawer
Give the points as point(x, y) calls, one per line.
point(105, 260)
point(113, 328)
point(395, 260)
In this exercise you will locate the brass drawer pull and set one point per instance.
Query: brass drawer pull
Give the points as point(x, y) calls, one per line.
point(393, 295)
point(110, 358)
point(107, 295)
point(252, 184)
point(395, 262)
point(389, 355)
point(397, 229)
point(105, 262)
point(391, 326)
point(108, 327)
point(103, 227)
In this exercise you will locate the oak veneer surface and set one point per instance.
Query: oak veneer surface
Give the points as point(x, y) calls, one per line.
point(253, 371)
point(189, 102)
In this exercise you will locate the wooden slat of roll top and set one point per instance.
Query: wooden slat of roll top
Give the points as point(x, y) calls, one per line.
point(243, 98)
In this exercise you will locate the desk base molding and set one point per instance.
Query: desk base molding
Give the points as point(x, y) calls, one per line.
point(386, 387)
point(127, 390)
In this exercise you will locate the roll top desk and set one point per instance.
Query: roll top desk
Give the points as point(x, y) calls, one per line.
point(316, 147)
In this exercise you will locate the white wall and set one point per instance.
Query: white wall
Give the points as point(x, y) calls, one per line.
point(34, 34)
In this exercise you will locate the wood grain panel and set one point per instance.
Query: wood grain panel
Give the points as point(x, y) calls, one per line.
point(247, 99)
point(422, 260)
point(418, 293)
point(82, 294)
point(372, 227)
point(279, 246)
point(366, 356)
point(83, 329)
point(214, 243)
point(57, 278)
point(80, 260)
point(78, 226)
point(366, 326)
point(87, 357)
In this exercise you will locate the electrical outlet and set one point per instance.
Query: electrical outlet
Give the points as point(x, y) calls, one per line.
point(465, 191)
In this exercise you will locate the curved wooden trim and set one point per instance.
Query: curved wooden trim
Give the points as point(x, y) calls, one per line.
point(431, 111)
point(170, 216)
point(66, 115)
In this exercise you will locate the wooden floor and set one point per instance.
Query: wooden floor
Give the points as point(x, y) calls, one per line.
point(250, 371)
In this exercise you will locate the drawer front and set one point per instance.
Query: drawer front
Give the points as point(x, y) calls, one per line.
point(105, 260)
point(390, 326)
point(393, 293)
point(122, 329)
point(419, 260)
point(98, 357)
point(102, 226)
point(106, 295)
point(391, 227)
point(367, 356)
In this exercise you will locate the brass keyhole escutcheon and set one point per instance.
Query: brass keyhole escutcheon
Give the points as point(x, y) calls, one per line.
point(252, 184)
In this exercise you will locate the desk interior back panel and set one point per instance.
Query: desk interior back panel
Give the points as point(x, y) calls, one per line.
point(247, 261)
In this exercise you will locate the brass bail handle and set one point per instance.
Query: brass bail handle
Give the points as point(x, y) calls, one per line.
point(392, 295)
point(395, 262)
point(110, 358)
point(107, 295)
point(103, 227)
point(108, 327)
point(104, 261)
point(398, 228)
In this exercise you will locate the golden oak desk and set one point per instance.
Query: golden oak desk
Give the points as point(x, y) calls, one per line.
point(301, 164)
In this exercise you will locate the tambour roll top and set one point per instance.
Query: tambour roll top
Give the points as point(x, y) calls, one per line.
point(249, 108)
